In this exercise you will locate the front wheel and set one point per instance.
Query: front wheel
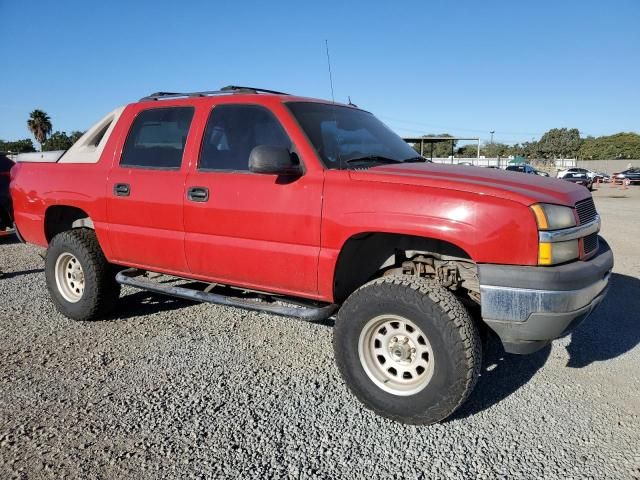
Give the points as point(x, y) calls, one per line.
point(80, 280)
point(407, 348)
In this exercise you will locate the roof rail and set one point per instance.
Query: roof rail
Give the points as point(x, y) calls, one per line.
point(238, 89)
point(230, 89)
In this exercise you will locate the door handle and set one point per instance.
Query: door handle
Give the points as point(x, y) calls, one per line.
point(198, 194)
point(121, 189)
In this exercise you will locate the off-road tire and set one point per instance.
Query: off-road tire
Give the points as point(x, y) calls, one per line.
point(451, 333)
point(101, 291)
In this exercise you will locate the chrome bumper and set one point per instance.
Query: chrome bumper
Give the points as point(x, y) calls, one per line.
point(518, 304)
point(530, 306)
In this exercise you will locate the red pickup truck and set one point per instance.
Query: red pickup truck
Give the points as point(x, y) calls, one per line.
point(311, 209)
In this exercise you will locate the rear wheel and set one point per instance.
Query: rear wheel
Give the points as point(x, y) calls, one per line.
point(80, 280)
point(407, 348)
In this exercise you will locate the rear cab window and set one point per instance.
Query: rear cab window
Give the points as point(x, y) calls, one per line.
point(157, 138)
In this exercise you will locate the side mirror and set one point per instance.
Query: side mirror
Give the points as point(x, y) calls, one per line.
point(273, 160)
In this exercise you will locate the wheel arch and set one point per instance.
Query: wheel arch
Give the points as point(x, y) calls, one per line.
point(365, 254)
point(60, 218)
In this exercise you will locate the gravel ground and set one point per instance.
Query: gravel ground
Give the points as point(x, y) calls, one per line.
point(167, 388)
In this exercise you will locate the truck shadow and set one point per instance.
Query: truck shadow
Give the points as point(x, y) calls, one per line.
point(501, 375)
point(8, 239)
point(143, 303)
point(613, 329)
point(20, 273)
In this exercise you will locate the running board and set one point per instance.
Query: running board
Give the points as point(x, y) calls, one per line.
point(131, 277)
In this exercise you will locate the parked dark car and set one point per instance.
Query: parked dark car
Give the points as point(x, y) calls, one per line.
point(579, 178)
point(6, 212)
point(631, 174)
point(522, 168)
point(526, 169)
point(602, 177)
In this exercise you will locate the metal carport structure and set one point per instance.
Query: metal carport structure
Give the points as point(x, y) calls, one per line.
point(432, 140)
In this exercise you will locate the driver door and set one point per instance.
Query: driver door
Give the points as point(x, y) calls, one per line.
point(259, 231)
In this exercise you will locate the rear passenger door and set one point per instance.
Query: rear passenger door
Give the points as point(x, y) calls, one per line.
point(145, 190)
point(247, 229)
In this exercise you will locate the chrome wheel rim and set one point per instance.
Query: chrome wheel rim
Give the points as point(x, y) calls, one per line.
point(396, 355)
point(69, 277)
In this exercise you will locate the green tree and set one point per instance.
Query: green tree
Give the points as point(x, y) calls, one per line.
point(75, 135)
point(60, 141)
point(39, 124)
point(441, 149)
point(468, 151)
point(17, 146)
point(531, 149)
point(493, 150)
point(556, 143)
point(619, 145)
point(560, 143)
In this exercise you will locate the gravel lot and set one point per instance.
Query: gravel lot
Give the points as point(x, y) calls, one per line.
point(167, 388)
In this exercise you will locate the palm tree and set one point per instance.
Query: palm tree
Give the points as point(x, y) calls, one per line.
point(39, 125)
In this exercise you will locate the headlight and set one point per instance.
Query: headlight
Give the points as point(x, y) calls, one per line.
point(553, 217)
point(558, 252)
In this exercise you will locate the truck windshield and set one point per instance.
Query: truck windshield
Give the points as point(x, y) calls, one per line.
point(345, 137)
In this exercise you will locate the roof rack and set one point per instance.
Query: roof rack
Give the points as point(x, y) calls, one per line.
point(230, 89)
point(238, 89)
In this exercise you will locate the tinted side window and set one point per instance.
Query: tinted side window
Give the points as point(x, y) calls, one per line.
point(157, 138)
point(233, 131)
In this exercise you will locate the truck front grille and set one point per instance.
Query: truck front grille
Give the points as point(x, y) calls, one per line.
point(590, 243)
point(586, 210)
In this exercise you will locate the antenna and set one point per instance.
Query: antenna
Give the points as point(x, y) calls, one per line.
point(333, 100)
point(326, 44)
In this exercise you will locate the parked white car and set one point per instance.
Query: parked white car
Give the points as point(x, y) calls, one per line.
point(588, 173)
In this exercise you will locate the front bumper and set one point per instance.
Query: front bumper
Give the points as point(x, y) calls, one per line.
point(530, 306)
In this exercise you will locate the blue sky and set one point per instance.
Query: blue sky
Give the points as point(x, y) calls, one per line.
point(463, 67)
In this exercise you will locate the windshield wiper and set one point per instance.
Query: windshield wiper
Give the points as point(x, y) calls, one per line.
point(415, 160)
point(372, 158)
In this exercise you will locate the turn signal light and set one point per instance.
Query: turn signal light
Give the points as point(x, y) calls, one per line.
point(545, 255)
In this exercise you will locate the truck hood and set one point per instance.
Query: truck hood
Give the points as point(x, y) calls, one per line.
point(518, 187)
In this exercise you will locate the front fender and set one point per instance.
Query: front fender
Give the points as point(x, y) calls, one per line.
point(489, 229)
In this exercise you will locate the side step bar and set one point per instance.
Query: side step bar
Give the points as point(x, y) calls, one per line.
point(131, 277)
